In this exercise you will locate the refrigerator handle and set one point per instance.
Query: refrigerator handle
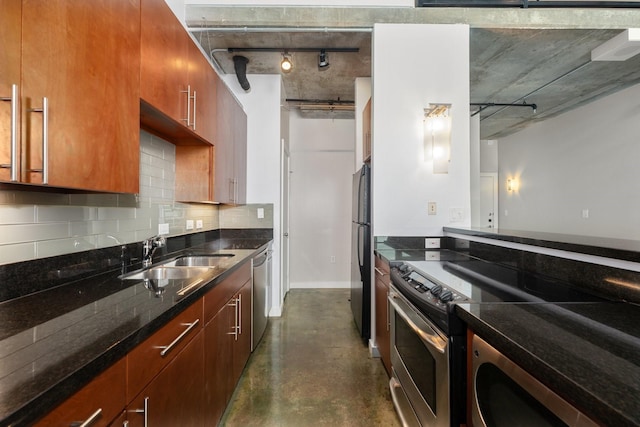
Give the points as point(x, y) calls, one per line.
point(360, 248)
point(359, 217)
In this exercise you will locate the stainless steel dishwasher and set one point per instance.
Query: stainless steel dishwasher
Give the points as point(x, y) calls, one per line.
point(261, 295)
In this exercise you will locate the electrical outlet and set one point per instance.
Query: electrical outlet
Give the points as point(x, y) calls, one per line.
point(432, 242)
point(199, 224)
point(432, 255)
point(189, 224)
point(432, 208)
point(163, 228)
point(585, 213)
point(456, 215)
point(333, 259)
point(260, 213)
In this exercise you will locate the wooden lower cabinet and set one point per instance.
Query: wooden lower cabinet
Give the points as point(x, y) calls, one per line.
point(382, 283)
point(175, 396)
point(227, 349)
point(102, 399)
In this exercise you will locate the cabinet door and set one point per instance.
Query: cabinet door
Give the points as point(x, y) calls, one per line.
point(10, 30)
point(218, 368)
point(382, 312)
point(242, 347)
point(202, 80)
point(224, 166)
point(100, 401)
point(87, 67)
point(164, 51)
point(175, 396)
point(240, 156)
point(194, 173)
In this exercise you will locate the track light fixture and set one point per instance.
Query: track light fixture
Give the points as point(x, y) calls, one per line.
point(286, 65)
point(323, 60)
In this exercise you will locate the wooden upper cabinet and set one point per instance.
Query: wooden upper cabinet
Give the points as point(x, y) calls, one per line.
point(177, 83)
point(164, 50)
point(202, 81)
point(366, 132)
point(10, 29)
point(83, 58)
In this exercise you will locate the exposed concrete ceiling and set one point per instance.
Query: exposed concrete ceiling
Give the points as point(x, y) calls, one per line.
point(540, 57)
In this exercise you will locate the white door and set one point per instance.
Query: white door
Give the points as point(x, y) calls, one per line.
point(286, 176)
point(488, 200)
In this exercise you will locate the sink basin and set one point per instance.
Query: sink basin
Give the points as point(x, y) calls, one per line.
point(199, 260)
point(165, 272)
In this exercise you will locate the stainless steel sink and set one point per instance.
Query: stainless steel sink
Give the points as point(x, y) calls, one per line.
point(167, 272)
point(199, 260)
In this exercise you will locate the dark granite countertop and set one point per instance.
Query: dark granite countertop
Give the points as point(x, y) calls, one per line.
point(55, 341)
point(623, 249)
point(588, 353)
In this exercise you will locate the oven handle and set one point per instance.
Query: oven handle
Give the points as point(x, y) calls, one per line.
point(429, 337)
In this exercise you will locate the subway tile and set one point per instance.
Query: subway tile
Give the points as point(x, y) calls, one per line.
point(55, 247)
point(7, 197)
point(128, 200)
point(134, 224)
point(35, 198)
point(116, 213)
point(102, 200)
point(24, 233)
point(65, 213)
point(17, 214)
point(17, 252)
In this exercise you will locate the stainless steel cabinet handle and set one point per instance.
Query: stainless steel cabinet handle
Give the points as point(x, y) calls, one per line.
point(14, 134)
point(234, 328)
point(188, 92)
point(92, 418)
point(239, 314)
point(194, 109)
point(144, 411)
point(168, 348)
point(380, 272)
point(388, 313)
point(45, 139)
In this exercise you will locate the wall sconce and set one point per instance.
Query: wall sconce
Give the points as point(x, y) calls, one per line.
point(286, 65)
point(512, 185)
point(437, 136)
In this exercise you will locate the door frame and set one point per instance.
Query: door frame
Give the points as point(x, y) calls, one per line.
point(493, 175)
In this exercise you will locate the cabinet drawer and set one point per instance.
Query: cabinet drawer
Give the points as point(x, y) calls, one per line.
point(147, 359)
point(102, 399)
point(215, 299)
point(383, 271)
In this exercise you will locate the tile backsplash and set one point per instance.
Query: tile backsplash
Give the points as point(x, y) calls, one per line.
point(36, 225)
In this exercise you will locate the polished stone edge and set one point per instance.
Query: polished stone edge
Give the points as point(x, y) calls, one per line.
point(543, 372)
point(628, 250)
point(49, 399)
point(601, 280)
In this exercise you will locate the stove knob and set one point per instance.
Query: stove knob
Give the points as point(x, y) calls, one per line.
point(403, 268)
point(436, 290)
point(446, 296)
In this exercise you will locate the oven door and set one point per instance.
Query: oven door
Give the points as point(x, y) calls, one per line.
point(420, 366)
point(504, 395)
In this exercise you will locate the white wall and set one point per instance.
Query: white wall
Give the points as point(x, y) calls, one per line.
point(474, 167)
point(403, 85)
point(322, 161)
point(584, 159)
point(363, 94)
point(262, 105)
point(339, 3)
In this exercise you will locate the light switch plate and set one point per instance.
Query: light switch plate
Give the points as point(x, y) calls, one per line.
point(260, 213)
point(199, 224)
point(163, 228)
point(189, 224)
point(432, 255)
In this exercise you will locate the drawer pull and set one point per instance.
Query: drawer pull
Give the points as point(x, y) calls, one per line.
point(144, 411)
point(166, 349)
point(45, 139)
point(380, 272)
point(13, 161)
point(93, 418)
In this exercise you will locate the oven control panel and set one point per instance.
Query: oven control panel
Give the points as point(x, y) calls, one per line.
point(437, 293)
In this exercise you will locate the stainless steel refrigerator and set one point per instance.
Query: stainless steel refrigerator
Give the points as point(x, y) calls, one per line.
point(361, 251)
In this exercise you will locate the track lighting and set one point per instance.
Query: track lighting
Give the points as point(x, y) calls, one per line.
point(286, 65)
point(323, 60)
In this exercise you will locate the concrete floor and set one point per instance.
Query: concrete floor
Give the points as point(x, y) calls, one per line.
point(312, 369)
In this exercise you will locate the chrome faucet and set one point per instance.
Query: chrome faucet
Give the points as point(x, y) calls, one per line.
point(149, 247)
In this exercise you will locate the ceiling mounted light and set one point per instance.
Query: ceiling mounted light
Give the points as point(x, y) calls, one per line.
point(620, 48)
point(286, 65)
point(323, 60)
